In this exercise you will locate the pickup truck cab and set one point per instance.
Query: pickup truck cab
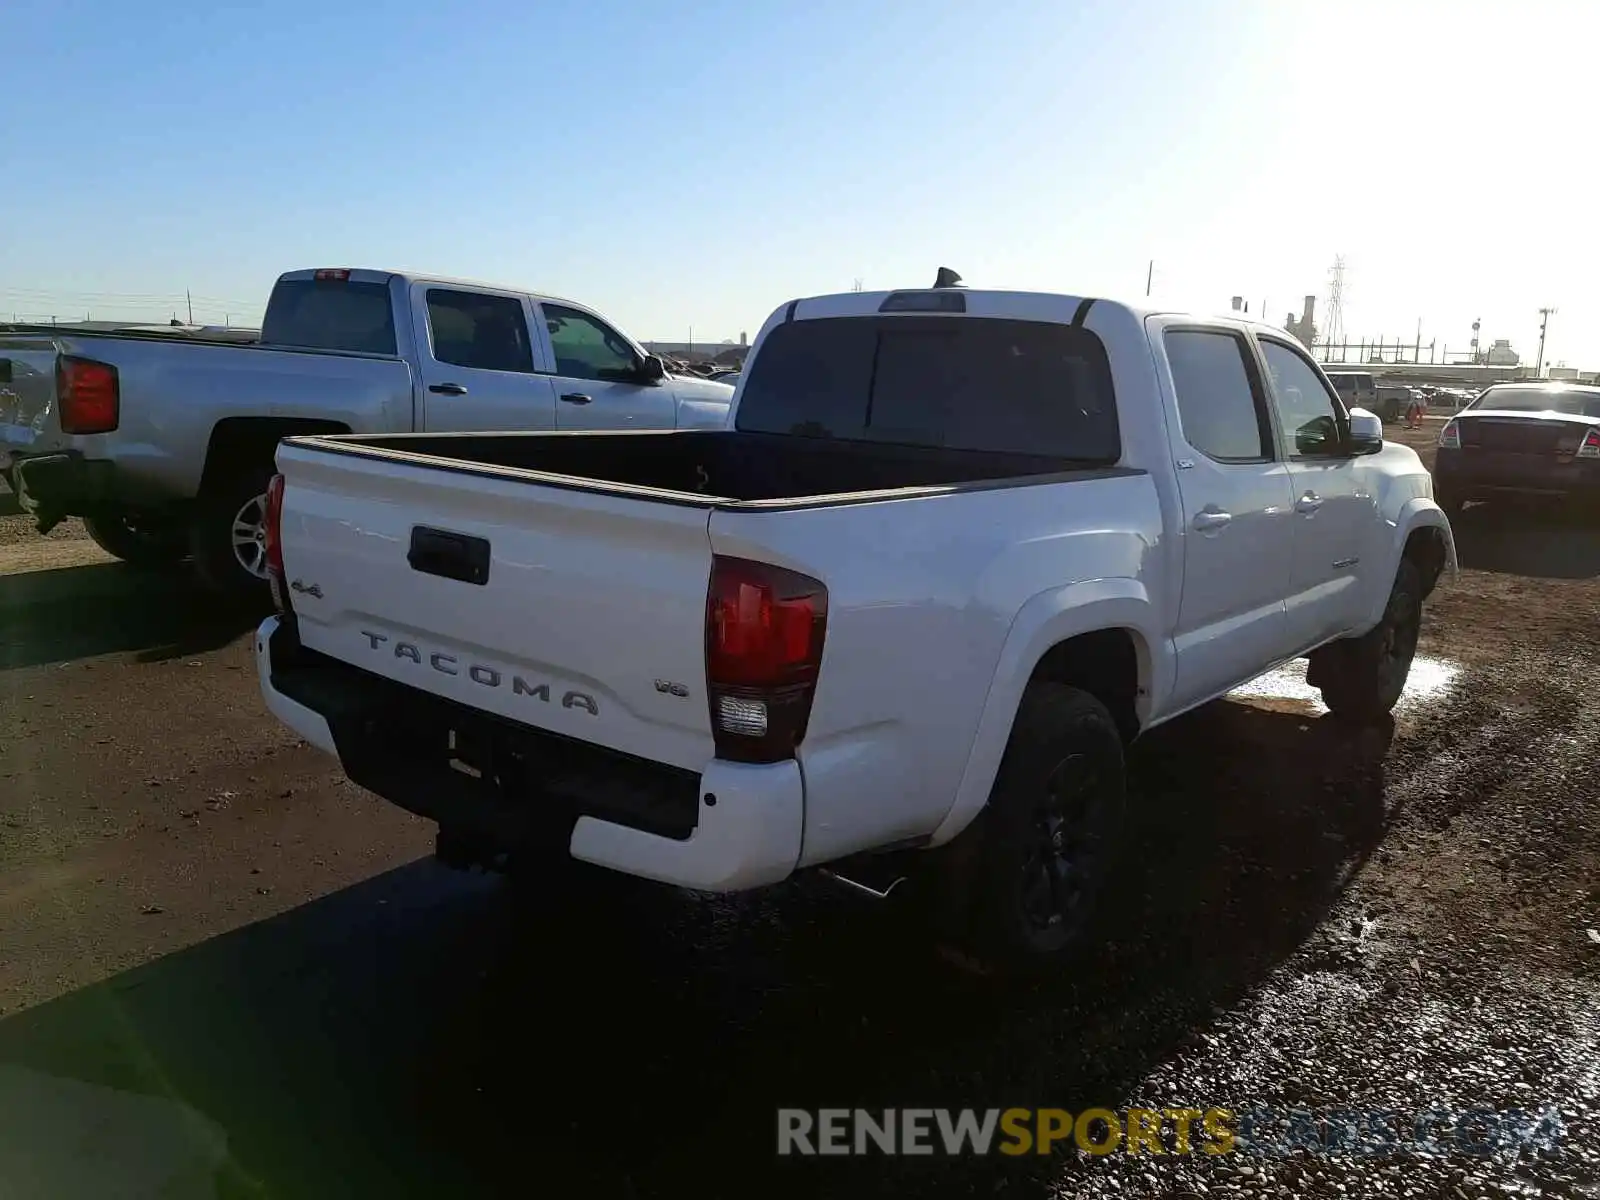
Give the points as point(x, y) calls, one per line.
point(164, 444)
point(957, 549)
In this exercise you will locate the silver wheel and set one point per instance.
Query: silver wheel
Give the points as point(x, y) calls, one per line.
point(250, 536)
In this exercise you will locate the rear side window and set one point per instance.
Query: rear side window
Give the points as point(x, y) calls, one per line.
point(966, 383)
point(1216, 400)
point(330, 315)
point(471, 329)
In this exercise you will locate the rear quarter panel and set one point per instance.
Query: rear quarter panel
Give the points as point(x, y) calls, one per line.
point(173, 397)
point(174, 393)
point(923, 594)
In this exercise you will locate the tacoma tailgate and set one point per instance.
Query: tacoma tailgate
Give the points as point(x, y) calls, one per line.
point(578, 610)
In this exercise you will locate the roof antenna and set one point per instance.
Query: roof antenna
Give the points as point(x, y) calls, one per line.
point(947, 279)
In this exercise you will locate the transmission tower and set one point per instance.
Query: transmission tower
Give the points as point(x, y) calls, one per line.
point(1335, 332)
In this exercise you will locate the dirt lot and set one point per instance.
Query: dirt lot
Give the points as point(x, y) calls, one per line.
point(223, 968)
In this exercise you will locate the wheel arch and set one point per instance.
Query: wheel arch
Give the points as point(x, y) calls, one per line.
point(1422, 535)
point(243, 442)
point(1099, 635)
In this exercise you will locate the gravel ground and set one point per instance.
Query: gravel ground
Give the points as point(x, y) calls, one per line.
point(199, 916)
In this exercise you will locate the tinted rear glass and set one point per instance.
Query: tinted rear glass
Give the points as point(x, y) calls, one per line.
point(966, 383)
point(1573, 404)
point(329, 315)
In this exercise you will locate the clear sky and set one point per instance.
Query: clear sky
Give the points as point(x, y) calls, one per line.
point(694, 165)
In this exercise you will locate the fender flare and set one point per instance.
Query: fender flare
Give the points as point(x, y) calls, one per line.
point(1417, 513)
point(1047, 619)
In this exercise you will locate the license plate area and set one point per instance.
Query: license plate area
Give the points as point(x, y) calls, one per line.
point(457, 764)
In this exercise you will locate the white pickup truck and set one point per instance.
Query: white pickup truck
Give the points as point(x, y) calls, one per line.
point(957, 550)
point(163, 443)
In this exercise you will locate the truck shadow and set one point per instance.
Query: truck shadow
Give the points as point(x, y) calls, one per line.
point(1543, 541)
point(422, 1032)
point(105, 608)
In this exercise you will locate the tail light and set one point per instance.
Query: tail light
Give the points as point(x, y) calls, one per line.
point(1591, 445)
point(273, 524)
point(764, 632)
point(1450, 436)
point(332, 275)
point(88, 395)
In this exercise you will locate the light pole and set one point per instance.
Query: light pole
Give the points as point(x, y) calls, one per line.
point(1544, 320)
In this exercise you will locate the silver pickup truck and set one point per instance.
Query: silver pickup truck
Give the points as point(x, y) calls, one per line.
point(164, 444)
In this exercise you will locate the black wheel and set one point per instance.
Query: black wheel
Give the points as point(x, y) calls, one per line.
point(1362, 678)
point(228, 535)
point(1043, 847)
point(139, 542)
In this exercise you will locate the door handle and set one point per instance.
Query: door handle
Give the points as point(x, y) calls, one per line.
point(1309, 503)
point(576, 398)
point(448, 389)
point(1210, 522)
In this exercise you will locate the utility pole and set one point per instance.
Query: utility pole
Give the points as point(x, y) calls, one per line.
point(190, 301)
point(1544, 320)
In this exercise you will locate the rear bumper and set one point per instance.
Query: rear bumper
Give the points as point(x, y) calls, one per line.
point(1467, 476)
point(732, 827)
point(65, 484)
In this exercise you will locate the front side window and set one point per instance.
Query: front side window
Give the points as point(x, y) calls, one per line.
point(587, 348)
point(1308, 419)
point(471, 329)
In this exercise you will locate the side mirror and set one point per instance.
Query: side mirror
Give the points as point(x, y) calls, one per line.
point(1366, 432)
point(1317, 438)
point(652, 369)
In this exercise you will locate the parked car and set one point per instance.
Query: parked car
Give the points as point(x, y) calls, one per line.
point(163, 444)
point(900, 620)
point(1392, 401)
point(1358, 389)
point(1521, 439)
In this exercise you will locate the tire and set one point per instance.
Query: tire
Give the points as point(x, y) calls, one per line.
point(1042, 849)
point(138, 543)
point(1362, 678)
point(225, 535)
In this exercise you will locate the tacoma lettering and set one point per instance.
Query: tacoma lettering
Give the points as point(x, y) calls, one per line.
point(481, 673)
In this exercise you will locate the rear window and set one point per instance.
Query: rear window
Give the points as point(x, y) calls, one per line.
point(962, 383)
point(330, 315)
point(1513, 399)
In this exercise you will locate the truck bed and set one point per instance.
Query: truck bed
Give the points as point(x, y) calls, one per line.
point(715, 466)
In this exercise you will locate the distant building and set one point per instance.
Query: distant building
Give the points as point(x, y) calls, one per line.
point(1304, 329)
point(1501, 354)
